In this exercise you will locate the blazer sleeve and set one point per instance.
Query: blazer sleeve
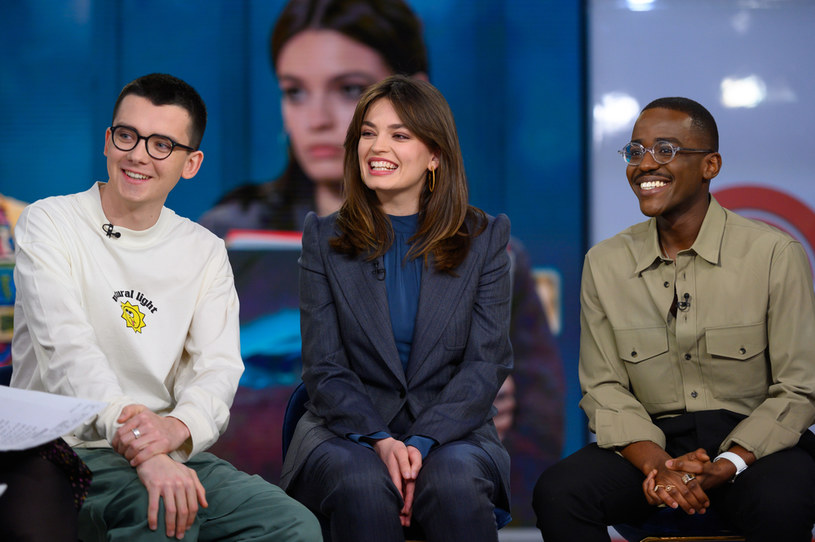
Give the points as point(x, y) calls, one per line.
point(336, 393)
point(465, 402)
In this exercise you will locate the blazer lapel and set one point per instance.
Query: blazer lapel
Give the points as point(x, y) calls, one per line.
point(366, 296)
point(438, 298)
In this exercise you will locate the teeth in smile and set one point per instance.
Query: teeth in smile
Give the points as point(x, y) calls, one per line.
point(650, 185)
point(135, 175)
point(380, 166)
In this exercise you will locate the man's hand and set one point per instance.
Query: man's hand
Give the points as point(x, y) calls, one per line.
point(403, 464)
point(708, 474)
point(157, 434)
point(180, 489)
point(696, 463)
point(663, 485)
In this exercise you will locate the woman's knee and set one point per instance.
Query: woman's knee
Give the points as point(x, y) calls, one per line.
point(339, 475)
point(458, 473)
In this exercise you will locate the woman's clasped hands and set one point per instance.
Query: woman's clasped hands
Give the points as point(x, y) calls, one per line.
point(403, 464)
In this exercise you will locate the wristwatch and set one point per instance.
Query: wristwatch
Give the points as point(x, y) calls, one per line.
point(737, 461)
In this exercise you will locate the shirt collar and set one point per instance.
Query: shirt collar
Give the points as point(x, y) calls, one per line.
point(649, 251)
point(708, 243)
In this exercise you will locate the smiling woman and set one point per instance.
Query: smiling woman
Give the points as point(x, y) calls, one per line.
point(325, 54)
point(408, 118)
point(393, 162)
point(372, 367)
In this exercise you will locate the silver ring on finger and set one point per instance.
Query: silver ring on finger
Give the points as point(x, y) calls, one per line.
point(136, 432)
point(687, 477)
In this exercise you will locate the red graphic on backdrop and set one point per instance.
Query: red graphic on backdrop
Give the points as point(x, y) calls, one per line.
point(773, 202)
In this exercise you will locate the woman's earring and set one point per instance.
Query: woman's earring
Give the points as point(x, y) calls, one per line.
point(432, 179)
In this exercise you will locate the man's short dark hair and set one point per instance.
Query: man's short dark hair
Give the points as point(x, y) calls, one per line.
point(700, 117)
point(164, 89)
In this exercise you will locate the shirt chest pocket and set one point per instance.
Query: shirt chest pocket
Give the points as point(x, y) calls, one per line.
point(647, 362)
point(738, 366)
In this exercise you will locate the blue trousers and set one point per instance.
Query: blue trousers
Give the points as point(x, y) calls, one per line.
point(241, 506)
point(349, 489)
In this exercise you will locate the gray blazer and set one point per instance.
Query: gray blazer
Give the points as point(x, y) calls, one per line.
point(460, 356)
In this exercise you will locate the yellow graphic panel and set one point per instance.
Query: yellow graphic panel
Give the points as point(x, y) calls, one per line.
point(133, 316)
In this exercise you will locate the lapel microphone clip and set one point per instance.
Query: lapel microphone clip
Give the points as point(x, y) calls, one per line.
point(108, 229)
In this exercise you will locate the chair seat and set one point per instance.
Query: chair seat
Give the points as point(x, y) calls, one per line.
point(667, 524)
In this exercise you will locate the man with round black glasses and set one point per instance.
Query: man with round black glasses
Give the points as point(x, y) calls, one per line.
point(157, 146)
point(120, 300)
point(696, 356)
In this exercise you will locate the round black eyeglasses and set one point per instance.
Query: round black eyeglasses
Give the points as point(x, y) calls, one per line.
point(158, 146)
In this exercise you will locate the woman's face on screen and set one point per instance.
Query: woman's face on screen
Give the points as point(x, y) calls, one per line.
point(322, 74)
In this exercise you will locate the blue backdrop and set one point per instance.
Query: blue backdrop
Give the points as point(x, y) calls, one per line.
point(513, 73)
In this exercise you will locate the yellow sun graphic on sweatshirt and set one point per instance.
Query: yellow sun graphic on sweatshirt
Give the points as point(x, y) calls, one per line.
point(133, 316)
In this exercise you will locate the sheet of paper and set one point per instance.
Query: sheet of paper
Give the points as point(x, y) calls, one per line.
point(30, 418)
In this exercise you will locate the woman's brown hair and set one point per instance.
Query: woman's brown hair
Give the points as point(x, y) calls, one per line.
point(447, 223)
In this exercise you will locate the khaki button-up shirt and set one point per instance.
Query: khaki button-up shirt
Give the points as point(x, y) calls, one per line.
point(743, 338)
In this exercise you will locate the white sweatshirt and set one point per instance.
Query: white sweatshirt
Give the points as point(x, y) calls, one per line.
point(149, 317)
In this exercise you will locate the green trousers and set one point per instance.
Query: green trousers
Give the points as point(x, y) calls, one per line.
point(241, 506)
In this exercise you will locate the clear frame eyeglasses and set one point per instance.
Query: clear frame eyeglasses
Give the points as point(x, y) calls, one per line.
point(662, 152)
point(158, 147)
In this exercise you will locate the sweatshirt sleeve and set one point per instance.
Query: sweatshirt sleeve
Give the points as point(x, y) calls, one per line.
point(211, 362)
point(54, 340)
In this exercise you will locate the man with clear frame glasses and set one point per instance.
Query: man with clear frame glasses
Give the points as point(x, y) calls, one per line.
point(697, 337)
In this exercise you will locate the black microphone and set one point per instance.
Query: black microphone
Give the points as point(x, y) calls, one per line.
point(108, 229)
point(379, 272)
point(684, 305)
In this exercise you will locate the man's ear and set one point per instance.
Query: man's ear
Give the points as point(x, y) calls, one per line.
point(711, 165)
point(192, 164)
point(107, 141)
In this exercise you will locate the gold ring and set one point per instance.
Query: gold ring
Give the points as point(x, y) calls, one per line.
point(658, 487)
point(669, 488)
point(687, 477)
